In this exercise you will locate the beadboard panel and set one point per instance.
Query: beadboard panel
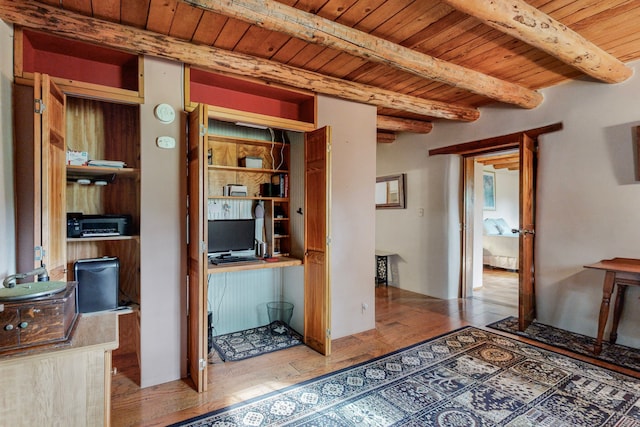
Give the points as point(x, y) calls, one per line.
point(238, 300)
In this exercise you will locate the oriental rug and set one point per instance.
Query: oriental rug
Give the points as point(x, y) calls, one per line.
point(619, 355)
point(256, 341)
point(469, 377)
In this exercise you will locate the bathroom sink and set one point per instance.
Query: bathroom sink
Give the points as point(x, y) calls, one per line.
point(25, 291)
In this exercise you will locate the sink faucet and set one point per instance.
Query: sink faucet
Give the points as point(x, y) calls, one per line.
point(40, 273)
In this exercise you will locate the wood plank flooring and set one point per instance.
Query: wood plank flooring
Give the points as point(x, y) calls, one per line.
point(402, 318)
point(498, 286)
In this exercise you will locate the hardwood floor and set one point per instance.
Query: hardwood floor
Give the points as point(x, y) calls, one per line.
point(402, 318)
point(498, 286)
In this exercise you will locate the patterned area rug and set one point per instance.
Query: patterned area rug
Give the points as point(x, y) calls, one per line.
point(469, 377)
point(616, 354)
point(256, 341)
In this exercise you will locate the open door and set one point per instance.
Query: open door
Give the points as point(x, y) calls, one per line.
point(526, 142)
point(527, 298)
point(197, 251)
point(317, 300)
point(40, 176)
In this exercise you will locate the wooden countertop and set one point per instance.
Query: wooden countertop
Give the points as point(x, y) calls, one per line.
point(254, 265)
point(91, 330)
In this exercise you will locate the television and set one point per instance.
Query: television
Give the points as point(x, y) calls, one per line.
point(228, 235)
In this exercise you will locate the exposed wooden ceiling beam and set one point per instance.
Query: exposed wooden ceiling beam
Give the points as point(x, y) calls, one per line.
point(385, 137)
point(397, 124)
point(524, 22)
point(513, 166)
point(276, 16)
point(40, 16)
point(510, 161)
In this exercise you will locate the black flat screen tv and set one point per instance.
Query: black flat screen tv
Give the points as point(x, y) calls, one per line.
point(228, 235)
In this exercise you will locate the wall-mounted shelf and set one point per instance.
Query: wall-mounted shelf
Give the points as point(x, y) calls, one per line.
point(95, 171)
point(79, 68)
point(236, 99)
point(251, 170)
point(100, 239)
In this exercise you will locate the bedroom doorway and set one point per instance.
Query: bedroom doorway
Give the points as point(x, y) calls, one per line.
point(527, 144)
point(496, 246)
point(527, 158)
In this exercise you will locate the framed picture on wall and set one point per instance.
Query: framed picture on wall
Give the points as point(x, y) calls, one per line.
point(489, 190)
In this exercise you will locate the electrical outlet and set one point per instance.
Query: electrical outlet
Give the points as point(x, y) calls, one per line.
point(365, 306)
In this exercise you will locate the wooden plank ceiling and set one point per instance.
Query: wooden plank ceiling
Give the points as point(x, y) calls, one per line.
point(419, 62)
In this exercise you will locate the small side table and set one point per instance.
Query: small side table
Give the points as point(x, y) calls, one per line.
point(622, 272)
point(382, 267)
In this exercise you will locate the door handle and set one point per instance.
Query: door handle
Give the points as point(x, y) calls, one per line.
point(523, 231)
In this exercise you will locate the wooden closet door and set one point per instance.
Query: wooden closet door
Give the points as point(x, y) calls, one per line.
point(40, 177)
point(317, 296)
point(197, 251)
point(54, 179)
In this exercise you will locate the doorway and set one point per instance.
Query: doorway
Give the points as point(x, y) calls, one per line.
point(527, 144)
point(496, 247)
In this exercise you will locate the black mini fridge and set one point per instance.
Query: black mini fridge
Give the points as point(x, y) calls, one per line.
point(98, 283)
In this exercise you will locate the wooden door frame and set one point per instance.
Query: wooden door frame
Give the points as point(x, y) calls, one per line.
point(468, 152)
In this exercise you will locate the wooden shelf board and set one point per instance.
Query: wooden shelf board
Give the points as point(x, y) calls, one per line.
point(100, 239)
point(243, 169)
point(282, 261)
point(245, 141)
point(99, 170)
point(275, 199)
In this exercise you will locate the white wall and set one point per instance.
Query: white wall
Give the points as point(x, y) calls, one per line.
point(353, 178)
point(163, 287)
point(7, 220)
point(587, 206)
point(419, 241)
point(507, 196)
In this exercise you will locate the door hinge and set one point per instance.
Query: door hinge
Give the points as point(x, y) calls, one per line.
point(202, 364)
point(328, 240)
point(38, 253)
point(38, 106)
point(328, 332)
point(203, 131)
point(203, 247)
point(328, 148)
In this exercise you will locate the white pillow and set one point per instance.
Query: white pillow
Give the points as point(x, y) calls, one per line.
point(490, 226)
point(502, 225)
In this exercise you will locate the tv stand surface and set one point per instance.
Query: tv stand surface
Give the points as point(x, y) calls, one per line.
point(252, 265)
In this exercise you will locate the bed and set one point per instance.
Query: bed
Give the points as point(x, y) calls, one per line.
point(500, 246)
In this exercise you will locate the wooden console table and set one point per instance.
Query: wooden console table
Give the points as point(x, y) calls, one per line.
point(622, 272)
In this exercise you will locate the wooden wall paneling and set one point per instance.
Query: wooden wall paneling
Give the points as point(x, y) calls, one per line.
point(121, 133)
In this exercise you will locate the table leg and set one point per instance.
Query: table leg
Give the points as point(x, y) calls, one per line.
point(617, 311)
point(607, 289)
